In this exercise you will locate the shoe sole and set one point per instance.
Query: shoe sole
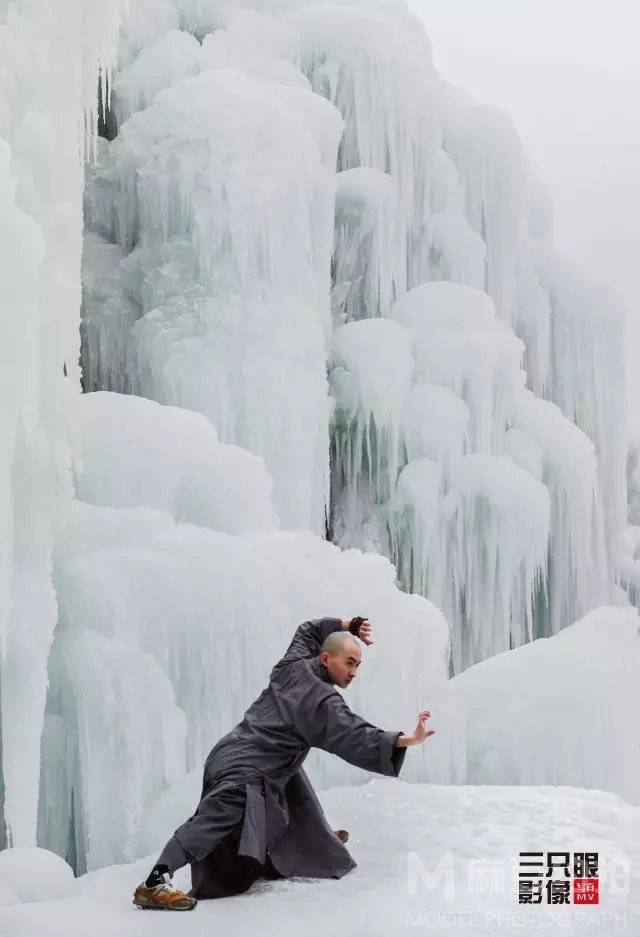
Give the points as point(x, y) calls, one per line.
point(149, 906)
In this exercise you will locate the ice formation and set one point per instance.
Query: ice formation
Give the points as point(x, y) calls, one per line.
point(227, 236)
point(176, 594)
point(440, 231)
point(333, 279)
point(50, 53)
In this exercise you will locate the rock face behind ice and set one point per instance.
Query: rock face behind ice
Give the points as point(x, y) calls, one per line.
point(32, 874)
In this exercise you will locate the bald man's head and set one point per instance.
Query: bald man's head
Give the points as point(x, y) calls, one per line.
point(341, 656)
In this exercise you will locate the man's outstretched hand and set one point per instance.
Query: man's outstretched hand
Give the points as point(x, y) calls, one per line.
point(419, 734)
point(361, 627)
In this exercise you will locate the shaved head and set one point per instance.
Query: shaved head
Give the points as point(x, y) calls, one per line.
point(336, 641)
point(341, 656)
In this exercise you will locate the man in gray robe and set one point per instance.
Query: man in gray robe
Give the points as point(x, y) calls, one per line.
point(258, 815)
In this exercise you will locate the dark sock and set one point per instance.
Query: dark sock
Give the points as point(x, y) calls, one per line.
point(172, 858)
point(156, 876)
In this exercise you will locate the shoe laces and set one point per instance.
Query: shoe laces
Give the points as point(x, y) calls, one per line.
point(165, 886)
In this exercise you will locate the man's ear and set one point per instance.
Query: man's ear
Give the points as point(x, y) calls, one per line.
point(324, 657)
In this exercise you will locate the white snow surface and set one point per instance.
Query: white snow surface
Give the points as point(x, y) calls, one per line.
point(442, 858)
point(560, 710)
point(28, 873)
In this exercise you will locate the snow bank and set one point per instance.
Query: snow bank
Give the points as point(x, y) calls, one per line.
point(31, 874)
point(558, 711)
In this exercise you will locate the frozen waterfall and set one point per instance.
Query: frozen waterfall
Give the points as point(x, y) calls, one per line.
point(332, 365)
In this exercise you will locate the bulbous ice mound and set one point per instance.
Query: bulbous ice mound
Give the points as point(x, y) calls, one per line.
point(28, 873)
point(234, 165)
point(174, 55)
point(460, 343)
point(135, 452)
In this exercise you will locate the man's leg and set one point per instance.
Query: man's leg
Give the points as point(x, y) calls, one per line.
point(219, 812)
point(224, 873)
point(172, 858)
point(157, 892)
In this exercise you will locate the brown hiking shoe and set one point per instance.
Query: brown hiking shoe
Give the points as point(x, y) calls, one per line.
point(163, 897)
point(342, 835)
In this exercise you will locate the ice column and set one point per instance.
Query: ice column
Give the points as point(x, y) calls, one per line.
point(50, 53)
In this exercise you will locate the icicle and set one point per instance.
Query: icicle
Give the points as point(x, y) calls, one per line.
point(496, 556)
point(587, 377)
point(372, 370)
point(363, 272)
point(577, 566)
point(414, 519)
point(483, 144)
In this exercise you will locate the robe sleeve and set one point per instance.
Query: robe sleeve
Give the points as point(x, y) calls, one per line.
point(308, 639)
point(328, 723)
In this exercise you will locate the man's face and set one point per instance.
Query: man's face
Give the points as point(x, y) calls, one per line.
point(342, 666)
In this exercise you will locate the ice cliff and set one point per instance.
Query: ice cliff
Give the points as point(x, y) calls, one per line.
point(372, 387)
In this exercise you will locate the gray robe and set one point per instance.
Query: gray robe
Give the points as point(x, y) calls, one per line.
point(257, 801)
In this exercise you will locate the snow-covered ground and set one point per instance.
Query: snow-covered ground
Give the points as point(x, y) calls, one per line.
point(431, 859)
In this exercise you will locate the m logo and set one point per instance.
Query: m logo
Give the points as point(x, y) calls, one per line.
point(442, 877)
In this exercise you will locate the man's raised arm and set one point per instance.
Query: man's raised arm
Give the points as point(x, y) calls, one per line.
point(309, 637)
